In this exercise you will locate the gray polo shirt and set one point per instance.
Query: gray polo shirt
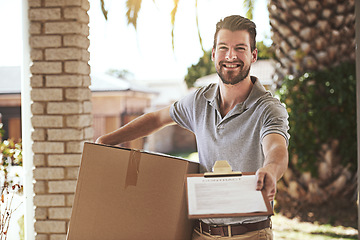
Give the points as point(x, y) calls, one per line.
point(236, 137)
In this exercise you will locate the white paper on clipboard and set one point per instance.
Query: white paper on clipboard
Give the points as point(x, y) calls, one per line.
point(224, 195)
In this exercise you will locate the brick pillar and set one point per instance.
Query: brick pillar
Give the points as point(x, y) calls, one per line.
point(61, 107)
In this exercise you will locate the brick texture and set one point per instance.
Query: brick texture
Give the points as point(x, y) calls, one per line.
point(45, 41)
point(50, 226)
point(45, 121)
point(36, 81)
point(58, 237)
point(49, 173)
point(60, 213)
point(61, 108)
point(63, 54)
point(49, 200)
point(77, 67)
point(64, 81)
point(43, 94)
point(46, 68)
point(36, 55)
point(65, 160)
point(76, 41)
point(64, 107)
point(38, 14)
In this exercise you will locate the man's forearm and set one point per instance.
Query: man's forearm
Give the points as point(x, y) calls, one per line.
point(275, 164)
point(276, 160)
point(138, 128)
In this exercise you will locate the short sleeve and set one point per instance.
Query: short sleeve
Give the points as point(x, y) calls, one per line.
point(275, 120)
point(182, 112)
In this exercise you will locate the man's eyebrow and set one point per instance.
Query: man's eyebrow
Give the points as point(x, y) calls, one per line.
point(241, 45)
point(237, 45)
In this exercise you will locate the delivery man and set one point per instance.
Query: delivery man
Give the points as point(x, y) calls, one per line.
point(235, 119)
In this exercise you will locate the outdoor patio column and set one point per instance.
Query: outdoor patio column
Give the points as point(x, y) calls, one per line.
point(61, 107)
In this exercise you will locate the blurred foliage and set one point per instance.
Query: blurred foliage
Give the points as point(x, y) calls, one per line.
point(6, 207)
point(2, 131)
point(264, 51)
point(122, 73)
point(205, 65)
point(249, 5)
point(322, 108)
point(10, 155)
point(22, 228)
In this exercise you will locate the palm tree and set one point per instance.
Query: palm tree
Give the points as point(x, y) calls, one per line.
point(310, 36)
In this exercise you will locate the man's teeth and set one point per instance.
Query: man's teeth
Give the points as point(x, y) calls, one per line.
point(231, 66)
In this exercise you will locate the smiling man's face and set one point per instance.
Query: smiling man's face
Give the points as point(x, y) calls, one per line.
point(232, 56)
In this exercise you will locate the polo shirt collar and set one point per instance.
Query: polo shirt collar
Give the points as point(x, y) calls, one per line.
point(258, 90)
point(212, 92)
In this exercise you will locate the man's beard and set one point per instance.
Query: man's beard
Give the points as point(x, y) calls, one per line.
point(231, 78)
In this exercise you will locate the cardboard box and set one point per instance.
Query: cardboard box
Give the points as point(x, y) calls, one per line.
point(128, 194)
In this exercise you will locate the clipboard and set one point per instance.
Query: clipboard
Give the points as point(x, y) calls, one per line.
point(225, 193)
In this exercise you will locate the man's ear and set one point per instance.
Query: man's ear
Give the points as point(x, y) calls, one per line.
point(254, 55)
point(213, 54)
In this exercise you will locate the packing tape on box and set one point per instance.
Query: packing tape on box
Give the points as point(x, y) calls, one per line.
point(133, 168)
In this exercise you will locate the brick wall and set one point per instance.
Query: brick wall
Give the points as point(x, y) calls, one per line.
point(61, 107)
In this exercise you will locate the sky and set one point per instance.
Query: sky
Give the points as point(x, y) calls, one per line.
point(146, 52)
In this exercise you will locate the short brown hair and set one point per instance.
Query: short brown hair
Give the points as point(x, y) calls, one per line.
point(235, 23)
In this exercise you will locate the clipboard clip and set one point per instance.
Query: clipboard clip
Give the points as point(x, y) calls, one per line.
point(222, 169)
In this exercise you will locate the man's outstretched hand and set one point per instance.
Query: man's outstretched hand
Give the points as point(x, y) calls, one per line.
point(265, 180)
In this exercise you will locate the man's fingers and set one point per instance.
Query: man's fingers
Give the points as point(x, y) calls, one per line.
point(260, 181)
point(261, 184)
point(271, 195)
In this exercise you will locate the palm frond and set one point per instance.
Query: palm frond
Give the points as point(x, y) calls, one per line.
point(104, 11)
point(133, 8)
point(197, 26)
point(249, 5)
point(173, 14)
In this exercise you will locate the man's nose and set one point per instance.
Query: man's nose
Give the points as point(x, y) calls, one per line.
point(230, 55)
